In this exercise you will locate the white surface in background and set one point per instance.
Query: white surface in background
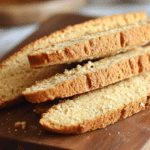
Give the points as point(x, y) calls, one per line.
point(10, 37)
point(110, 7)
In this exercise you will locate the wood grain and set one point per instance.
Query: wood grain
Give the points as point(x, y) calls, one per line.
point(131, 133)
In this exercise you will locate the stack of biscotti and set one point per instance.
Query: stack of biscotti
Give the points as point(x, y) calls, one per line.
point(91, 76)
point(99, 108)
point(100, 96)
point(116, 42)
point(15, 72)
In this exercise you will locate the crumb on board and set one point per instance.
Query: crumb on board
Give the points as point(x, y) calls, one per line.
point(34, 110)
point(142, 104)
point(20, 124)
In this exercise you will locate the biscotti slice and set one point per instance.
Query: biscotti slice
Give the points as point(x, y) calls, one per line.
point(15, 72)
point(16, 75)
point(99, 108)
point(90, 27)
point(91, 46)
point(90, 76)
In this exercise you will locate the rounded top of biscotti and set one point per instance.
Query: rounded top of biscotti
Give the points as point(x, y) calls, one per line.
point(97, 104)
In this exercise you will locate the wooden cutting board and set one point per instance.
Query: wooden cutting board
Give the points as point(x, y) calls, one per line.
point(130, 134)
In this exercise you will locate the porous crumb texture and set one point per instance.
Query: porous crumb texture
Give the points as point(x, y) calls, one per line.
point(91, 76)
point(99, 108)
point(92, 46)
point(16, 75)
point(15, 72)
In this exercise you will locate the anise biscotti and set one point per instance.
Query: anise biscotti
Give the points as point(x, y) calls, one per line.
point(90, 27)
point(92, 46)
point(15, 72)
point(91, 76)
point(93, 26)
point(16, 75)
point(99, 108)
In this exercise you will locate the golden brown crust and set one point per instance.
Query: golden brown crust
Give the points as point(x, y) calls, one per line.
point(93, 47)
point(101, 121)
point(46, 40)
point(106, 23)
point(94, 80)
point(135, 35)
point(16, 54)
point(85, 49)
point(18, 99)
point(68, 88)
point(129, 17)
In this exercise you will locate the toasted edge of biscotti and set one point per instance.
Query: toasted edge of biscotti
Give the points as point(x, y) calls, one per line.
point(94, 79)
point(46, 40)
point(18, 99)
point(82, 29)
point(99, 122)
point(97, 46)
point(99, 108)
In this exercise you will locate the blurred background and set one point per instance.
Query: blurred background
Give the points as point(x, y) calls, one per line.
point(19, 19)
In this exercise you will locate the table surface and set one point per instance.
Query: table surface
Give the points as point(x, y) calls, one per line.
point(131, 133)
